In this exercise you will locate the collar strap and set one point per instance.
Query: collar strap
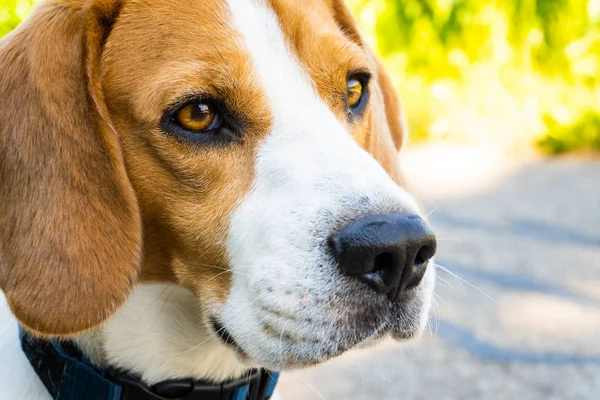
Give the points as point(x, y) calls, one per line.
point(68, 375)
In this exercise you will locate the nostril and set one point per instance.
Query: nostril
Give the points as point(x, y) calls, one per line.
point(386, 267)
point(424, 254)
point(416, 273)
point(383, 262)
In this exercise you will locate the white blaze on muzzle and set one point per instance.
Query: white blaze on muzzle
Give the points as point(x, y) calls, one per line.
point(288, 304)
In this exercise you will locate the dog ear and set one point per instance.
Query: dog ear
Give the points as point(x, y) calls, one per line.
point(70, 230)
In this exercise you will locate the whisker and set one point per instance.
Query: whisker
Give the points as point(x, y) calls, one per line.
point(380, 371)
point(217, 275)
point(444, 285)
point(214, 266)
point(312, 388)
point(162, 308)
point(432, 211)
point(428, 329)
point(444, 281)
point(210, 336)
point(223, 268)
point(463, 280)
point(362, 378)
point(435, 308)
point(221, 334)
point(154, 301)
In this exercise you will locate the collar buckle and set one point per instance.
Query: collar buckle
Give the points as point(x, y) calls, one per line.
point(254, 386)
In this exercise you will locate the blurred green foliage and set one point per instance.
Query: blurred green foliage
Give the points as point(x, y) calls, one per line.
point(510, 72)
point(584, 133)
point(513, 73)
point(12, 13)
point(552, 36)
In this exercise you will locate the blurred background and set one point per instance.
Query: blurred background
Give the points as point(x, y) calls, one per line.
point(503, 105)
point(510, 73)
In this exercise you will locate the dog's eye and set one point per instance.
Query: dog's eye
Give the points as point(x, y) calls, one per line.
point(354, 92)
point(198, 116)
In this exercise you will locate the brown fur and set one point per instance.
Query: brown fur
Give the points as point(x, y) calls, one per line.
point(84, 168)
point(70, 232)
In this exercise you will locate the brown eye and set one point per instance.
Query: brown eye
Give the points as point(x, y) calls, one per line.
point(197, 117)
point(354, 92)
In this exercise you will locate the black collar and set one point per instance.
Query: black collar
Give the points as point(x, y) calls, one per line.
point(68, 375)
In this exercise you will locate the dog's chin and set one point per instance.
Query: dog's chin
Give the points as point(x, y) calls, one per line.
point(279, 351)
point(300, 354)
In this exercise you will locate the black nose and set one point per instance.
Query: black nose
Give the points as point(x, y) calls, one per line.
point(388, 252)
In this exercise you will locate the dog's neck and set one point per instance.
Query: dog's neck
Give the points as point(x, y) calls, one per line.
point(159, 334)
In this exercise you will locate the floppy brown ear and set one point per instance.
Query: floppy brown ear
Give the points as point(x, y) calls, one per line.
point(70, 231)
point(387, 128)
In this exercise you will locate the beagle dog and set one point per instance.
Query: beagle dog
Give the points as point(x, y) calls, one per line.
point(195, 189)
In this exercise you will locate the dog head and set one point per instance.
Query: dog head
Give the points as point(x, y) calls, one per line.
point(243, 149)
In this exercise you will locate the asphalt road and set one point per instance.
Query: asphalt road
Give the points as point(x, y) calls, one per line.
point(525, 235)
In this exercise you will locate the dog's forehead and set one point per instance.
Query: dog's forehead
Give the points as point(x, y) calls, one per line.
point(160, 51)
point(305, 33)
